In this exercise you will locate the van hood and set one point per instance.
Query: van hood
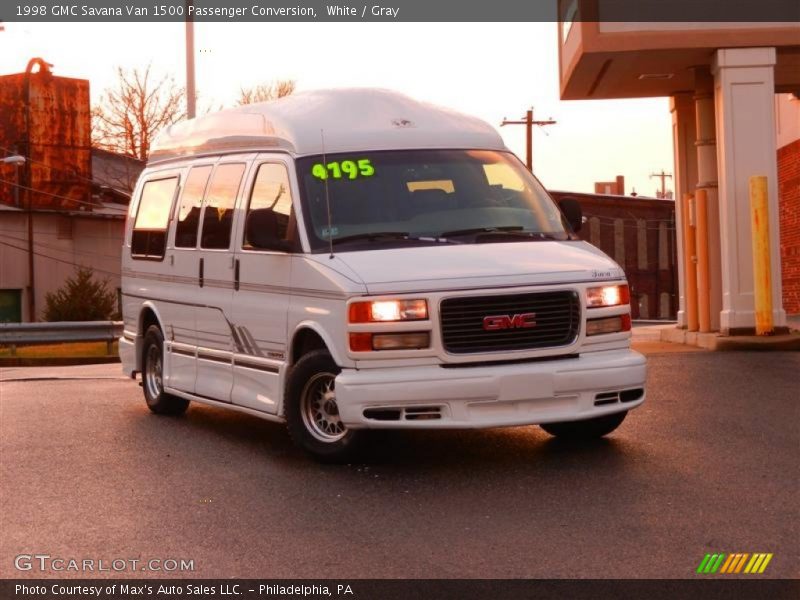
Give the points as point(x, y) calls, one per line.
point(465, 266)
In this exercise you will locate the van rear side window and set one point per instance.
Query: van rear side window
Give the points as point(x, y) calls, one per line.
point(149, 238)
point(188, 220)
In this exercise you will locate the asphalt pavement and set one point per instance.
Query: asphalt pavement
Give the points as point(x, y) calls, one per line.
point(708, 464)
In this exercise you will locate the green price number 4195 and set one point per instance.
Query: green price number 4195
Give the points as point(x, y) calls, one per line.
point(349, 169)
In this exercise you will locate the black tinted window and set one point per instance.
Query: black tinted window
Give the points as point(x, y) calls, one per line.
point(423, 194)
point(149, 237)
point(188, 218)
point(272, 192)
point(218, 211)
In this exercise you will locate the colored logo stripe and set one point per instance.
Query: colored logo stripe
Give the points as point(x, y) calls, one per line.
point(738, 562)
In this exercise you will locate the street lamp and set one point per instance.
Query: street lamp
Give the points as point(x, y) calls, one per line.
point(17, 161)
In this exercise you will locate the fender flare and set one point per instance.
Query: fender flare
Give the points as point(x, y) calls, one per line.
point(322, 333)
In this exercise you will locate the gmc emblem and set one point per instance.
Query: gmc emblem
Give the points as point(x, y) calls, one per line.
point(520, 321)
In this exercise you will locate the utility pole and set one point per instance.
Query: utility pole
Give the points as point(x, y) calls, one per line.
point(528, 121)
point(663, 176)
point(191, 94)
point(28, 179)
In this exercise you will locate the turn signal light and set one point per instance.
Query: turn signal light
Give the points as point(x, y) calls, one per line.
point(383, 311)
point(366, 342)
point(608, 295)
point(608, 325)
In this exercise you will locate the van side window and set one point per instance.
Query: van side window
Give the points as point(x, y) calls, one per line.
point(272, 192)
point(218, 211)
point(188, 220)
point(149, 238)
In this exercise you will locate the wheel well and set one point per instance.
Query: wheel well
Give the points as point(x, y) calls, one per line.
point(148, 318)
point(305, 341)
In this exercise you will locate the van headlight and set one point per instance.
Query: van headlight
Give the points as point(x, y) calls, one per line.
point(384, 311)
point(607, 295)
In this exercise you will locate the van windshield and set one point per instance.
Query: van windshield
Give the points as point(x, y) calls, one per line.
point(424, 196)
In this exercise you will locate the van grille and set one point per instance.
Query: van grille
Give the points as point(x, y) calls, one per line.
point(556, 322)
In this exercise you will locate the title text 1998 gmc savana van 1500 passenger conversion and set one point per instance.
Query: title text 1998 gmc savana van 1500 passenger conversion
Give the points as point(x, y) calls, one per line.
point(352, 259)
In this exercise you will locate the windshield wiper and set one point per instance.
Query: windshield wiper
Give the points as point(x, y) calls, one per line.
point(478, 230)
point(390, 236)
point(515, 232)
point(373, 236)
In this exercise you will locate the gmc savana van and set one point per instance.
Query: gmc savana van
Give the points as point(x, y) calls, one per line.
point(352, 259)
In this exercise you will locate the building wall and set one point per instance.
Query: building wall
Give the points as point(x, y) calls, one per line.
point(639, 233)
point(60, 243)
point(787, 119)
point(789, 217)
point(56, 139)
point(787, 125)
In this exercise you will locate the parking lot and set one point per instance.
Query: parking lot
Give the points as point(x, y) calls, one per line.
point(708, 464)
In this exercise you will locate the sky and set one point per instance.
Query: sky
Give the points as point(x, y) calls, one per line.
point(490, 70)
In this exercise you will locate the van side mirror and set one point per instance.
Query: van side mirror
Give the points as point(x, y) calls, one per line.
point(261, 231)
point(571, 209)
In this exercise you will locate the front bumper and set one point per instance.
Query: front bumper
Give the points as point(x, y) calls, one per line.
point(434, 397)
point(127, 356)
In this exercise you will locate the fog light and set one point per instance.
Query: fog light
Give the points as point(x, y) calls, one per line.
point(608, 325)
point(608, 295)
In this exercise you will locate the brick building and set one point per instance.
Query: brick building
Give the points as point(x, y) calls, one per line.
point(639, 233)
point(74, 196)
point(787, 111)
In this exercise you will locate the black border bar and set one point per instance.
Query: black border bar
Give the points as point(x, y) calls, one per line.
point(401, 589)
point(103, 11)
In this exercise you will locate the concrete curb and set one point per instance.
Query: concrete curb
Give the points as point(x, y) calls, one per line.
point(60, 361)
point(715, 341)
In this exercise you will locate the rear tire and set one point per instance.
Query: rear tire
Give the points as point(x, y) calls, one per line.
point(587, 429)
point(312, 416)
point(157, 400)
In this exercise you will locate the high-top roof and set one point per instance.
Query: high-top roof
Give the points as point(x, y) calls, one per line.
point(353, 120)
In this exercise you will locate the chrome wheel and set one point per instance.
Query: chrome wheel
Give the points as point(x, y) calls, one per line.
point(319, 410)
point(152, 371)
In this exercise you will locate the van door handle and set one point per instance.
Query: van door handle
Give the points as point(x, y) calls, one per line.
point(236, 275)
point(201, 277)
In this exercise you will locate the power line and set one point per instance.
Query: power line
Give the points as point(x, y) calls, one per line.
point(663, 176)
point(57, 249)
point(52, 168)
point(66, 262)
point(41, 233)
point(631, 219)
point(35, 191)
point(528, 121)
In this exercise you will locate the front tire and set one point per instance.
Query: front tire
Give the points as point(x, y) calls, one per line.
point(312, 415)
point(587, 429)
point(157, 400)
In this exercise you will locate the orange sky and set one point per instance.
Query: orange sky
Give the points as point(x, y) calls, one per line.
point(491, 70)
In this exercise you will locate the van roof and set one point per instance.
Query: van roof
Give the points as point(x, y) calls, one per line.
point(353, 120)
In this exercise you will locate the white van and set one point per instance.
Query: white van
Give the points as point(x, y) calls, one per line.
point(353, 259)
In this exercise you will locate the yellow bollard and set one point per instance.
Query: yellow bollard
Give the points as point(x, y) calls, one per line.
point(690, 266)
point(762, 271)
point(703, 281)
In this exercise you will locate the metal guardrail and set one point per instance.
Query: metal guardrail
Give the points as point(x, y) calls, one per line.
point(26, 334)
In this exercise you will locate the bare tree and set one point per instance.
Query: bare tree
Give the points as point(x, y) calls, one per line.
point(131, 112)
point(266, 91)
